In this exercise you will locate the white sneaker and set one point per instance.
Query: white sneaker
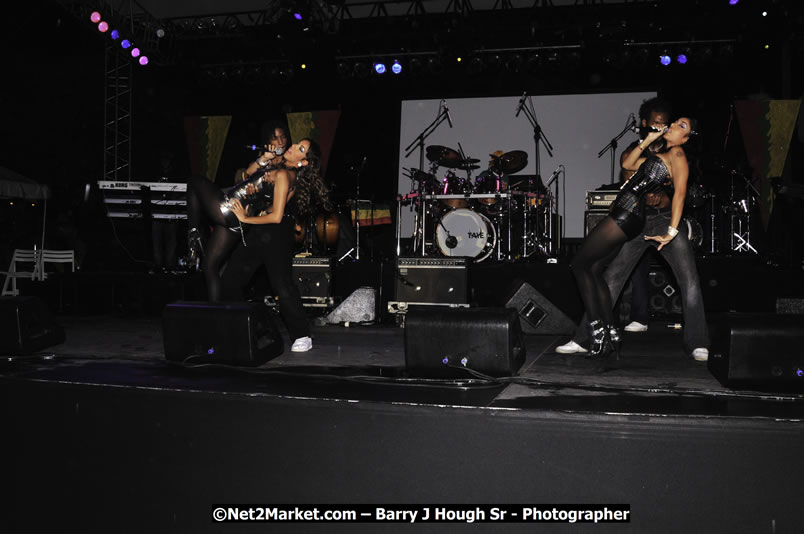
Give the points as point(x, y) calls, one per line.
point(570, 348)
point(700, 354)
point(303, 344)
point(636, 326)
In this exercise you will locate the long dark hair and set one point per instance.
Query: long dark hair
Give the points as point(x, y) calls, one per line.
point(311, 191)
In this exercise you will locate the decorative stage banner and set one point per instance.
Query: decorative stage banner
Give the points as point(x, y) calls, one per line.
point(317, 125)
point(767, 128)
point(205, 139)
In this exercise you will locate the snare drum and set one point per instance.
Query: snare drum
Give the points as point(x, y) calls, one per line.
point(465, 233)
point(452, 184)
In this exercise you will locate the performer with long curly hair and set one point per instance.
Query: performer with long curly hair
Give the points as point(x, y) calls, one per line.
point(295, 185)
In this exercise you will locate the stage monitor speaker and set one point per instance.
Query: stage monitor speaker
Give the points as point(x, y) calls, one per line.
point(439, 341)
point(313, 276)
point(537, 314)
point(758, 351)
point(27, 326)
point(234, 333)
point(432, 280)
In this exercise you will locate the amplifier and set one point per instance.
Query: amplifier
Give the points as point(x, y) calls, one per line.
point(432, 280)
point(313, 276)
point(600, 200)
point(591, 218)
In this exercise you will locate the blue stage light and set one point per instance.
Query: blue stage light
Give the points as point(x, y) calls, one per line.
point(733, 2)
point(664, 59)
point(682, 59)
point(379, 68)
point(125, 43)
point(396, 68)
point(115, 35)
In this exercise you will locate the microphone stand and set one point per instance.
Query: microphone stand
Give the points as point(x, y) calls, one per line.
point(538, 136)
point(613, 146)
point(418, 142)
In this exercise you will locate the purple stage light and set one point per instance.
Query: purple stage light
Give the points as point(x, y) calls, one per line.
point(297, 16)
point(95, 17)
point(143, 60)
point(733, 2)
point(103, 26)
point(135, 52)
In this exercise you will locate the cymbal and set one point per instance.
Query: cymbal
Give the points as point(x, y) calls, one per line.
point(421, 176)
point(444, 156)
point(466, 165)
point(511, 162)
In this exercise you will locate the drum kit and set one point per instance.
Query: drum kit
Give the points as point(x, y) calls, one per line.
point(495, 215)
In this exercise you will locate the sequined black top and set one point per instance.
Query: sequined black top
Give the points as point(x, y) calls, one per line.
point(651, 177)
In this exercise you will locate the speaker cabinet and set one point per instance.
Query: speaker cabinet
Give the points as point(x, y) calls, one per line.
point(313, 276)
point(758, 350)
point(537, 315)
point(27, 326)
point(236, 333)
point(591, 218)
point(439, 342)
point(432, 280)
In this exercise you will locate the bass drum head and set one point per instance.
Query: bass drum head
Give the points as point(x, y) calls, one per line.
point(465, 233)
point(694, 233)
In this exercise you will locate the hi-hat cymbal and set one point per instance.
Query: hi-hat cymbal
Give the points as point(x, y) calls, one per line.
point(442, 155)
point(511, 162)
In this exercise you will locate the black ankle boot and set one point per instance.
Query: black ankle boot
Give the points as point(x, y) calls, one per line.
point(601, 345)
point(195, 250)
point(615, 336)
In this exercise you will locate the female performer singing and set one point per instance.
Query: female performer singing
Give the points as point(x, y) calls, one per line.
point(204, 200)
point(626, 220)
point(295, 185)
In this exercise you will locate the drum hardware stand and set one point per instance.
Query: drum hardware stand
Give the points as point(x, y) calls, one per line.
point(741, 240)
point(418, 143)
point(356, 249)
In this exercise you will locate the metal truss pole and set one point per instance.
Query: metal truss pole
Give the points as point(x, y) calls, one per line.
point(117, 116)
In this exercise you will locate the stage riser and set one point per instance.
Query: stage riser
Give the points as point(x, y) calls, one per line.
point(126, 460)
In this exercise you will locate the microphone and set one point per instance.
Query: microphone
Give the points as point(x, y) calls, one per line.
point(553, 176)
point(278, 150)
point(446, 109)
point(521, 102)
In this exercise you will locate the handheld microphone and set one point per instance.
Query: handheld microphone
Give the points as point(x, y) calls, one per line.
point(521, 102)
point(278, 150)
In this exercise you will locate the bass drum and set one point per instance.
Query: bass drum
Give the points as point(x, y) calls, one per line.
point(465, 233)
point(694, 232)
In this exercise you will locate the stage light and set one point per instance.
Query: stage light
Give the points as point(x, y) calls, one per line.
point(303, 66)
point(396, 68)
point(459, 59)
point(115, 35)
point(733, 2)
point(143, 60)
point(682, 59)
point(125, 43)
point(664, 59)
point(297, 16)
point(135, 52)
point(95, 17)
point(767, 47)
point(379, 68)
point(160, 33)
point(103, 26)
point(764, 13)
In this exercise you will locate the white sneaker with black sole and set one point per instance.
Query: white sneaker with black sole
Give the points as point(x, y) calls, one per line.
point(570, 348)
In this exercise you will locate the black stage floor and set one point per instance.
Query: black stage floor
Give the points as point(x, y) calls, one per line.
point(110, 436)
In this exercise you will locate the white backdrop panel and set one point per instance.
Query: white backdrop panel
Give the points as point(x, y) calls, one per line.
point(577, 126)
